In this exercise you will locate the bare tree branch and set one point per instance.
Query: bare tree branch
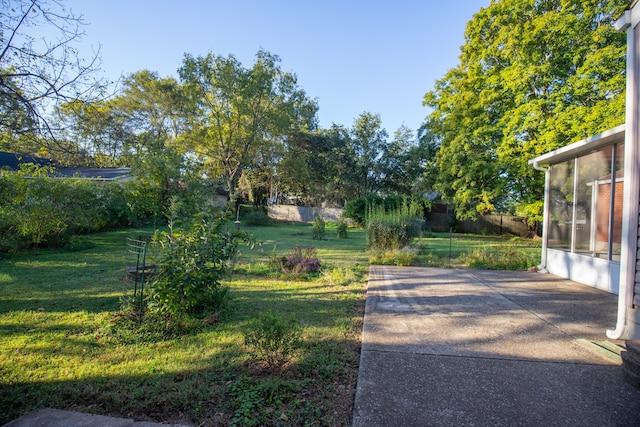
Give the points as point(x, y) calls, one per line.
point(41, 65)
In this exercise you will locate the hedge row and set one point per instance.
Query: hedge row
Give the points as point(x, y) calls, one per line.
point(38, 211)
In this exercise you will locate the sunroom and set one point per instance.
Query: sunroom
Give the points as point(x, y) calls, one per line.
point(582, 228)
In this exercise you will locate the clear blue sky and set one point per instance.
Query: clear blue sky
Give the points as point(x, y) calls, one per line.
point(351, 55)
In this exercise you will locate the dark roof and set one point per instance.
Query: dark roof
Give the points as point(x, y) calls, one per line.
point(93, 173)
point(13, 161)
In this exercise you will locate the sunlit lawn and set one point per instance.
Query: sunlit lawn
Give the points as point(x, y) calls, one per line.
point(56, 349)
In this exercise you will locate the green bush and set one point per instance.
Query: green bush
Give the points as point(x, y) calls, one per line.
point(357, 209)
point(318, 229)
point(257, 217)
point(192, 263)
point(273, 339)
point(392, 230)
point(38, 210)
point(341, 230)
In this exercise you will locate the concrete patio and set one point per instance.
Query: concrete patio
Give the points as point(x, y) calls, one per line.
point(449, 347)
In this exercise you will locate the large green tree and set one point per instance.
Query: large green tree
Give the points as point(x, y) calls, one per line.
point(320, 166)
point(241, 111)
point(369, 142)
point(534, 75)
point(140, 127)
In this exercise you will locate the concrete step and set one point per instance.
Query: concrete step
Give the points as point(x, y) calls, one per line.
point(633, 347)
point(630, 377)
point(631, 364)
point(604, 348)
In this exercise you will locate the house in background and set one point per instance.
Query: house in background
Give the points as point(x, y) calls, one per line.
point(13, 161)
point(592, 202)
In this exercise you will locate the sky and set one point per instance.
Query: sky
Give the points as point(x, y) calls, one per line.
point(351, 56)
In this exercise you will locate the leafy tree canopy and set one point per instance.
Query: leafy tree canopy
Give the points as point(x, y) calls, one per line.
point(534, 75)
point(240, 111)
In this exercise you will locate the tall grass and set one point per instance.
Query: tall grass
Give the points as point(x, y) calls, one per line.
point(394, 229)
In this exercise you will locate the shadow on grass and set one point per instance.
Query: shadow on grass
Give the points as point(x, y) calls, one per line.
point(319, 386)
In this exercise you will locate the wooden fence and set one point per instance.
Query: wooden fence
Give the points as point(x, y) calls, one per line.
point(438, 222)
point(493, 224)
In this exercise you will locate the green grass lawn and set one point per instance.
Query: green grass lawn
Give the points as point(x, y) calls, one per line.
point(58, 347)
point(57, 350)
point(477, 251)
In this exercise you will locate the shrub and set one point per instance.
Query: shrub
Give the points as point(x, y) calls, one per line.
point(257, 217)
point(357, 209)
point(341, 230)
point(392, 230)
point(38, 210)
point(300, 261)
point(318, 229)
point(192, 263)
point(273, 338)
point(339, 276)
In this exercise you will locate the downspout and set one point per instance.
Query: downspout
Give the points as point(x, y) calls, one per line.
point(629, 245)
point(545, 215)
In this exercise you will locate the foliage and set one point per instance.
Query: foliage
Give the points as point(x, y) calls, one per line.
point(192, 264)
point(357, 209)
point(239, 113)
point(256, 217)
point(193, 373)
point(126, 326)
point(369, 141)
point(401, 257)
point(39, 210)
point(251, 398)
point(301, 260)
point(392, 230)
point(318, 229)
point(341, 229)
point(501, 257)
point(533, 76)
point(319, 166)
point(339, 276)
point(402, 164)
point(273, 338)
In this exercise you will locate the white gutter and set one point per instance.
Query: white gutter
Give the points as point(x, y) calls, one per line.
point(545, 214)
point(629, 244)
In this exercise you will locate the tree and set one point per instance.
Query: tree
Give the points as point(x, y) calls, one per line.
point(370, 142)
point(39, 73)
point(403, 164)
point(239, 111)
point(533, 76)
point(140, 128)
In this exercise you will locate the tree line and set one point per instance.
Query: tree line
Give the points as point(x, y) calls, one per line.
point(533, 75)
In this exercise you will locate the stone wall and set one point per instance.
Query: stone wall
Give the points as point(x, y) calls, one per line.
point(303, 213)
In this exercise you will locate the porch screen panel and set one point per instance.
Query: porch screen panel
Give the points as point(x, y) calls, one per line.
point(616, 232)
point(593, 201)
point(561, 206)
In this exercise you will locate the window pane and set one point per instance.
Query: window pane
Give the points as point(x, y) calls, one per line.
point(617, 204)
point(560, 206)
point(593, 202)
